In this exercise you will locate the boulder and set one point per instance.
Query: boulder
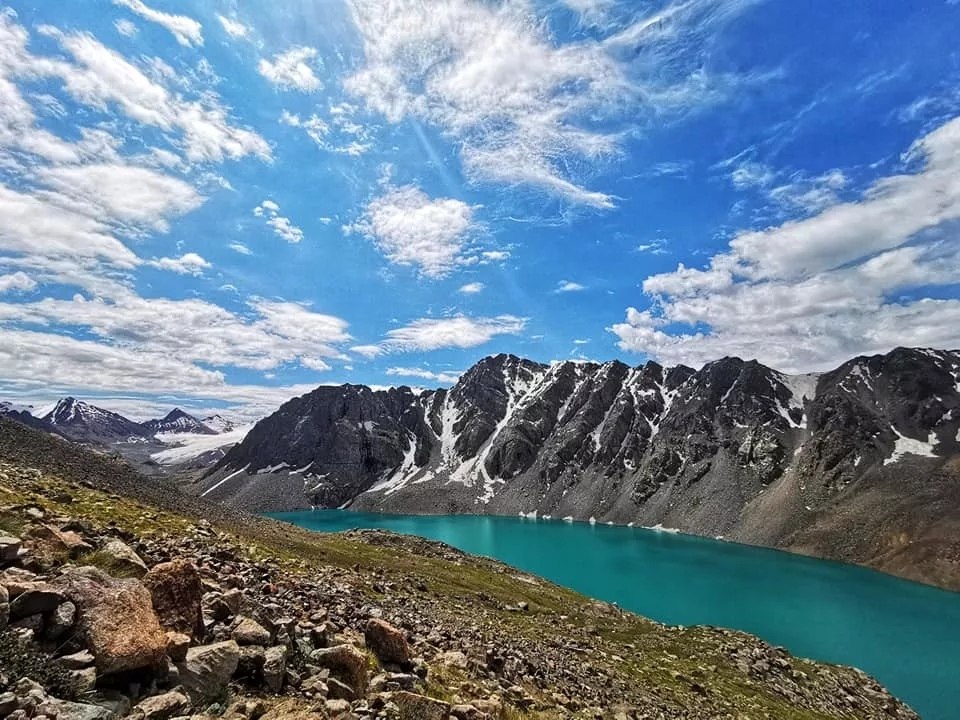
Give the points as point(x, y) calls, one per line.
point(420, 707)
point(162, 707)
point(49, 541)
point(124, 562)
point(274, 667)
point(38, 599)
point(4, 607)
point(176, 589)
point(345, 663)
point(207, 669)
point(116, 619)
point(247, 631)
point(64, 710)
point(388, 643)
point(9, 548)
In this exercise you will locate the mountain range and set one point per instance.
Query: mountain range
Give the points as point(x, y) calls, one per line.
point(177, 441)
point(861, 463)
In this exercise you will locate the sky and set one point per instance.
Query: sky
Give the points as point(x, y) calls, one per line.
point(221, 204)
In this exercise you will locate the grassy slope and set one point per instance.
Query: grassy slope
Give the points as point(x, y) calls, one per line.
point(662, 663)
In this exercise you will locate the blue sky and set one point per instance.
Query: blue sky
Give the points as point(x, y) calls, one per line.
point(222, 204)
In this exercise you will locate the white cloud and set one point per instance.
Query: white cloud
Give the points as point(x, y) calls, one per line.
point(495, 255)
point(233, 27)
point(187, 31)
point(126, 28)
point(193, 330)
point(187, 264)
point(447, 378)
point(315, 128)
point(100, 77)
point(411, 228)
point(453, 332)
point(856, 277)
point(123, 194)
point(654, 247)
point(471, 288)
point(566, 286)
point(239, 247)
point(282, 226)
point(367, 351)
point(16, 282)
point(290, 70)
point(523, 106)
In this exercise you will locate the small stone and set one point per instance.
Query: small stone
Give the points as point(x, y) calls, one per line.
point(346, 663)
point(337, 707)
point(274, 667)
point(9, 548)
point(249, 632)
point(85, 680)
point(208, 668)
point(124, 561)
point(162, 707)
point(62, 619)
point(77, 661)
point(388, 643)
point(420, 707)
point(177, 646)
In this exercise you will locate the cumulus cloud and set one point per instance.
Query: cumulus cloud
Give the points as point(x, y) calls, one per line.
point(524, 106)
point(856, 277)
point(566, 286)
point(446, 378)
point(291, 70)
point(16, 282)
point(239, 247)
point(471, 288)
point(282, 226)
point(187, 264)
point(187, 31)
point(411, 228)
point(453, 332)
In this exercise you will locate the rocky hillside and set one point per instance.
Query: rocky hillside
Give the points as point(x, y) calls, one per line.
point(121, 597)
point(80, 421)
point(858, 464)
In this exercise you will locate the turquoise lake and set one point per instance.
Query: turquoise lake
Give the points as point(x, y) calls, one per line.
point(905, 634)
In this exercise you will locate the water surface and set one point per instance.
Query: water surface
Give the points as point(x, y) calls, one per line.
point(905, 634)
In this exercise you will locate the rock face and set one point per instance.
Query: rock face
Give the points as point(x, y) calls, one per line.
point(734, 449)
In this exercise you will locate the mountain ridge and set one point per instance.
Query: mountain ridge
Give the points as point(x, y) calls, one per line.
point(734, 450)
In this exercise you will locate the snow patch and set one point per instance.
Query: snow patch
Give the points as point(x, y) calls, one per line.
point(186, 447)
point(909, 446)
point(228, 477)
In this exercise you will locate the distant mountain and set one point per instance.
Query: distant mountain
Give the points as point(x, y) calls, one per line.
point(24, 414)
point(87, 423)
point(861, 463)
point(178, 422)
point(219, 424)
